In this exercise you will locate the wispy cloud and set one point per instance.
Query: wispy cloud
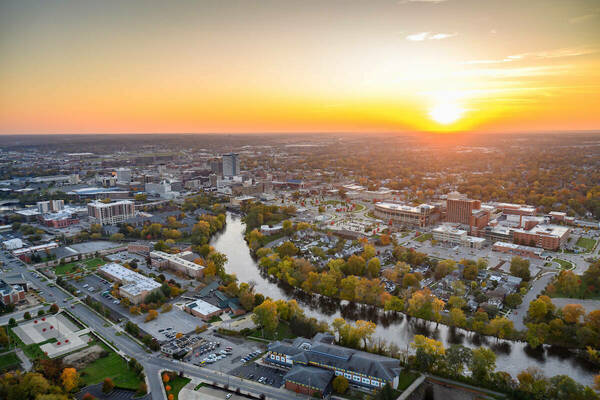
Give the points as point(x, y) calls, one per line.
point(582, 18)
point(417, 37)
point(540, 55)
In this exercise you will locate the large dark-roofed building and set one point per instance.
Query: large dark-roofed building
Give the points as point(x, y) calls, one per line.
point(360, 368)
point(311, 381)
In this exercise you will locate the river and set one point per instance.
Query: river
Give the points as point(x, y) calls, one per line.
point(512, 357)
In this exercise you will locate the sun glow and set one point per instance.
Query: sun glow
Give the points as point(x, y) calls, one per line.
point(446, 113)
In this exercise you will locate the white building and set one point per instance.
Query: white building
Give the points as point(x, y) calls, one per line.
point(123, 175)
point(13, 244)
point(178, 262)
point(449, 234)
point(110, 213)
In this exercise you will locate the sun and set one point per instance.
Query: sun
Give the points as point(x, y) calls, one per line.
point(446, 113)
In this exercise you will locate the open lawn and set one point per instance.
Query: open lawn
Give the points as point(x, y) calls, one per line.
point(71, 267)
point(177, 384)
point(9, 361)
point(283, 332)
point(424, 237)
point(111, 366)
point(563, 264)
point(587, 243)
point(405, 379)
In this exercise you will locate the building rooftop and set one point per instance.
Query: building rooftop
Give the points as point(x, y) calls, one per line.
point(202, 307)
point(404, 207)
point(133, 282)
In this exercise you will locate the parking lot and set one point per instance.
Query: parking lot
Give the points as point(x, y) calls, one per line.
point(260, 373)
point(176, 319)
point(239, 349)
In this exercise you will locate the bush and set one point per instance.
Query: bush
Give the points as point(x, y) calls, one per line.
point(107, 385)
point(340, 384)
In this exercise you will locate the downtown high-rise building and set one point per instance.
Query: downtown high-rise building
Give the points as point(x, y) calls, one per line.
point(231, 164)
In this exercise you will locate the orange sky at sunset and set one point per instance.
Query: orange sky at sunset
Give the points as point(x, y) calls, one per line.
point(299, 66)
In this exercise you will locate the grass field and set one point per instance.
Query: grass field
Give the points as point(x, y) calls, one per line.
point(563, 264)
point(586, 243)
point(71, 267)
point(9, 361)
point(177, 384)
point(405, 379)
point(422, 238)
point(111, 366)
point(283, 332)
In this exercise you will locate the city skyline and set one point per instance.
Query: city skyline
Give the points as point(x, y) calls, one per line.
point(274, 67)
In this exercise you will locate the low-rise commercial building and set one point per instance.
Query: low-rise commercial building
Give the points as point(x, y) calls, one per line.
point(203, 309)
point(360, 368)
point(549, 237)
point(518, 250)
point(110, 213)
point(179, 262)
point(449, 234)
point(420, 216)
point(10, 294)
point(134, 286)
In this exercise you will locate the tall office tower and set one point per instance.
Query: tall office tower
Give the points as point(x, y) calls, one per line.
point(231, 165)
point(216, 166)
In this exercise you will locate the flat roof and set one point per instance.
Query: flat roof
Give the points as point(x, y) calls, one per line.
point(202, 307)
point(133, 282)
point(403, 207)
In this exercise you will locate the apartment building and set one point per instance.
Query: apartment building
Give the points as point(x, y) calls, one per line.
point(110, 213)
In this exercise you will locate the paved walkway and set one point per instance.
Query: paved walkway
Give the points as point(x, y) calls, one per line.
point(416, 383)
point(517, 315)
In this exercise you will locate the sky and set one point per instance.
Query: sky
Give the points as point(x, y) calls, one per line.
point(299, 66)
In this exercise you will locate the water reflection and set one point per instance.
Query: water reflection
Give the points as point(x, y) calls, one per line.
point(512, 357)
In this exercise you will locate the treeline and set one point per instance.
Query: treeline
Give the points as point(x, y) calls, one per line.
point(206, 226)
point(477, 367)
point(258, 214)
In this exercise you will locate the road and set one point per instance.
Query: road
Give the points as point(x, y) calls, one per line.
point(517, 315)
point(153, 363)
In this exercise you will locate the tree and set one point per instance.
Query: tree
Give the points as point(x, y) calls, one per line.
point(536, 334)
point(444, 267)
point(107, 385)
point(69, 379)
point(340, 384)
point(501, 327)
point(513, 300)
point(166, 378)
point(354, 266)
point(483, 362)
point(373, 267)
point(287, 249)
point(27, 316)
point(538, 310)
point(265, 315)
point(470, 272)
point(457, 317)
point(572, 313)
point(54, 308)
point(457, 357)
point(520, 267)
point(116, 237)
point(152, 314)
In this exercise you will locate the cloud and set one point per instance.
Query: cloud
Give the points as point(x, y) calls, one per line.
point(582, 18)
point(540, 55)
point(418, 37)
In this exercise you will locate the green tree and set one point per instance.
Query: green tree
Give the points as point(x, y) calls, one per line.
point(265, 315)
point(520, 267)
point(483, 362)
point(340, 384)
